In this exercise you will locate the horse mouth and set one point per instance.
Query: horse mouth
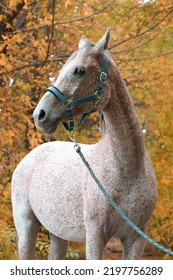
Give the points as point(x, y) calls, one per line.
point(53, 127)
point(49, 129)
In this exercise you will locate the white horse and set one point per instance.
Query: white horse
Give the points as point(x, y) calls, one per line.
point(51, 185)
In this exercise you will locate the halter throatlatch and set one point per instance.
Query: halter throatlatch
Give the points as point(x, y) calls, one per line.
point(69, 105)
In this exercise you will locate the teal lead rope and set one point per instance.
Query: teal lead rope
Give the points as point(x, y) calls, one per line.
point(116, 207)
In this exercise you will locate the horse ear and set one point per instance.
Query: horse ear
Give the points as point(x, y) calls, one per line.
point(103, 43)
point(83, 42)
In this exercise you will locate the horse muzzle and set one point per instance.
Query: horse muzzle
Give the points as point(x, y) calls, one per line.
point(48, 113)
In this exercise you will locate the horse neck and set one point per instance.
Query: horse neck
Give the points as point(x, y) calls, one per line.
point(123, 134)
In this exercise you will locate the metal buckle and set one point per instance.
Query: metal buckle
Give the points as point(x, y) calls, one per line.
point(72, 136)
point(68, 105)
point(103, 77)
point(97, 94)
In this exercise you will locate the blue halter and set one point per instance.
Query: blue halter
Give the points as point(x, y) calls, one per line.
point(69, 105)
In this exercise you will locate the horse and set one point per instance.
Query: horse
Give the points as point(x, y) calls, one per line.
point(52, 187)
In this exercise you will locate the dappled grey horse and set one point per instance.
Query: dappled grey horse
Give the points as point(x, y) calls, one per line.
point(52, 187)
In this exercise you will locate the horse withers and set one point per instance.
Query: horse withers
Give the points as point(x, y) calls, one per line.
point(52, 187)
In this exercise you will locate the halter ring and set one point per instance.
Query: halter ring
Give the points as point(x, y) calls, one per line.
point(103, 77)
point(68, 105)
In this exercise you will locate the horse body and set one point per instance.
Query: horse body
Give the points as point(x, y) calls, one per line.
point(52, 187)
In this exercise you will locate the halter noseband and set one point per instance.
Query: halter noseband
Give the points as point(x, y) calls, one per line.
point(69, 105)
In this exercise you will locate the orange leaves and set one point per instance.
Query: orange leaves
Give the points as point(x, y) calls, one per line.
point(4, 63)
point(8, 136)
point(47, 19)
point(34, 137)
point(26, 42)
point(68, 3)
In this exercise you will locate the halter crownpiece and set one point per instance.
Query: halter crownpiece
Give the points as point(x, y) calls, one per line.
point(69, 105)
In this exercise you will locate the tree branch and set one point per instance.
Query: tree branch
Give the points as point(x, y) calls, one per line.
point(145, 58)
point(64, 22)
point(143, 44)
point(52, 31)
point(86, 17)
point(23, 67)
point(11, 16)
point(32, 63)
point(144, 32)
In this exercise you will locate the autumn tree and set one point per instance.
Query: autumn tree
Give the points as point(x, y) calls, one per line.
point(36, 38)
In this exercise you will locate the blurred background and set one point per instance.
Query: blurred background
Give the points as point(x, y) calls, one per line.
point(36, 38)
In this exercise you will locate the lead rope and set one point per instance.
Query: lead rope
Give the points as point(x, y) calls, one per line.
point(115, 206)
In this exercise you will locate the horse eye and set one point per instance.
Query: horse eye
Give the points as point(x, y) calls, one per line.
point(79, 71)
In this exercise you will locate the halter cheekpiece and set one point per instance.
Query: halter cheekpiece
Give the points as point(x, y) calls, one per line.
point(69, 105)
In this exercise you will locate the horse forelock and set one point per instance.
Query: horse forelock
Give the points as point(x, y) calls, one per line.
point(80, 54)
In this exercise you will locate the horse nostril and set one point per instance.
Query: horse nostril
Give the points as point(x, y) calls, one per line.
point(42, 115)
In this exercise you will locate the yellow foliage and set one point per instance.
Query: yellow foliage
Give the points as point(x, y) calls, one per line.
point(68, 3)
point(31, 48)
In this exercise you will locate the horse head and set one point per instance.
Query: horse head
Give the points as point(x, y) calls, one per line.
point(79, 88)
